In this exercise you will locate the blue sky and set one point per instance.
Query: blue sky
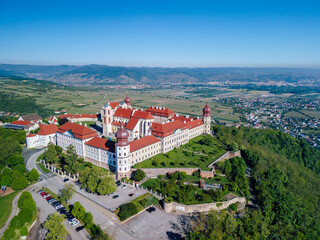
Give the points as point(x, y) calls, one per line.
point(161, 33)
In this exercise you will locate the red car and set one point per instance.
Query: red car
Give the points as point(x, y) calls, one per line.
point(48, 198)
point(44, 193)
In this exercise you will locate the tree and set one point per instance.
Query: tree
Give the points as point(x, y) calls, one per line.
point(67, 192)
point(88, 219)
point(33, 175)
point(78, 210)
point(138, 175)
point(71, 160)
point(15, 160)
point(20, 168)
point(19, 183)
point(56, 230)
point(25, 195)
point(106, 185)
point(127, 210)
point(51, 155)
point(227, 168)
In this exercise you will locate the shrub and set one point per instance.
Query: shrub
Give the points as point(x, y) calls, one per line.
point(196, 174)
point(25, 195)
point(88, 219)
point(24, 231)
point(19, 183)
point(144, 202)
point(138, 175)
point(33, 175)
point(168, 199)
point(127, 210)
point(78, 211)
point(9, 234)
point(233, 207)
point(219, 204)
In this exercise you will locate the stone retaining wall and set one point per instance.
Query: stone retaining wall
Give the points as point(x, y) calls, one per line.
point(154, 172)
point(225, 156)
point(183, 209)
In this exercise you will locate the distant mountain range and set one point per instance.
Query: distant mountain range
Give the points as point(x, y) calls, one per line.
point(155, 76)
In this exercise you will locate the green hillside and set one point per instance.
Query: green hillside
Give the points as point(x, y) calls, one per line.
point(285, 179)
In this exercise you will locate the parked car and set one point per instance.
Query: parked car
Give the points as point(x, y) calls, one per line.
point(124, 186)
point(61, 209)
point(41, 191)
point(46, 195)
point(78, 229)
point(75, 223)
point(115, 196)
point(118, 183)
point(131, 194)
point(56, 203)
point(65, 179)
point(48, 198)
point(151, 209)
point(52, 200)
point(58, 206)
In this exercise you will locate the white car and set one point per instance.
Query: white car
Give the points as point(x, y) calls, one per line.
point(124, 186)
point(59, 206)
point(73, 222)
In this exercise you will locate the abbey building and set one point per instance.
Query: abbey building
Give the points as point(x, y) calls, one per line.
point(140, 134)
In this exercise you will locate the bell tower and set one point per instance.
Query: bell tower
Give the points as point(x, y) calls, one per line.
point(123, 152)
point(206, 118)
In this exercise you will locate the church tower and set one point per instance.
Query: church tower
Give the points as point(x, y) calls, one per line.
point(127, 100)
point(206, 118)
point(107, 118)
point(123, 153)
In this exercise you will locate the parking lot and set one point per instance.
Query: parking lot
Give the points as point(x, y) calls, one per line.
point(155, 225)
point(46, 209)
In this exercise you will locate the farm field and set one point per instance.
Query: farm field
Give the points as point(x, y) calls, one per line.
point(197, 153)
point(90, 100)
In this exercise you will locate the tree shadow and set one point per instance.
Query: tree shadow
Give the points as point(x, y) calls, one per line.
point(174, 236)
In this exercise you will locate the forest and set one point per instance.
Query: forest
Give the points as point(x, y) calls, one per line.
point(285, 180)
point(10, 102)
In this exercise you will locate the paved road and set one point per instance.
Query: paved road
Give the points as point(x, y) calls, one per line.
point(31, 157)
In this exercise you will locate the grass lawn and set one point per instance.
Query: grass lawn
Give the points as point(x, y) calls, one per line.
point(40, 157)
point(182, 157)
point(89, 123)
point(5, 207)
point(151, 200)
point(42, 167)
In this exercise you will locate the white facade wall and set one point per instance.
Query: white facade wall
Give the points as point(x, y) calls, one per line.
point(64, 140)
point(175, 140)
point(32, 142)
point(145, 153)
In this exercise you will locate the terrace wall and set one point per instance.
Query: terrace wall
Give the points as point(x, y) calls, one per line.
point(206, 207)
point(154, 172)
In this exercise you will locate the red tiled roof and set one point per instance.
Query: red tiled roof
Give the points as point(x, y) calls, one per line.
point(154, 125)
point(31, 118)
point(194, 123)
point(182, 118)
point(114, 105)
point(143, 142)
point(84, 116)
point(117, 123)
point(122, 112)
point(31, 135)
point(53, 119)
point(23, 123)
point(142, 114)
point(102, 143)
point(132, 123)
point(160, 112)
point(78, 131)
point(48, 129)
point(169, 128)
point(65, 116)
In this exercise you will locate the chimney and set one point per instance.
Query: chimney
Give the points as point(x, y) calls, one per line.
point(191, 119)
point(177, 114)
point(184, 121)
point(187, 116)
point(80, 123)
point(86, 124)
